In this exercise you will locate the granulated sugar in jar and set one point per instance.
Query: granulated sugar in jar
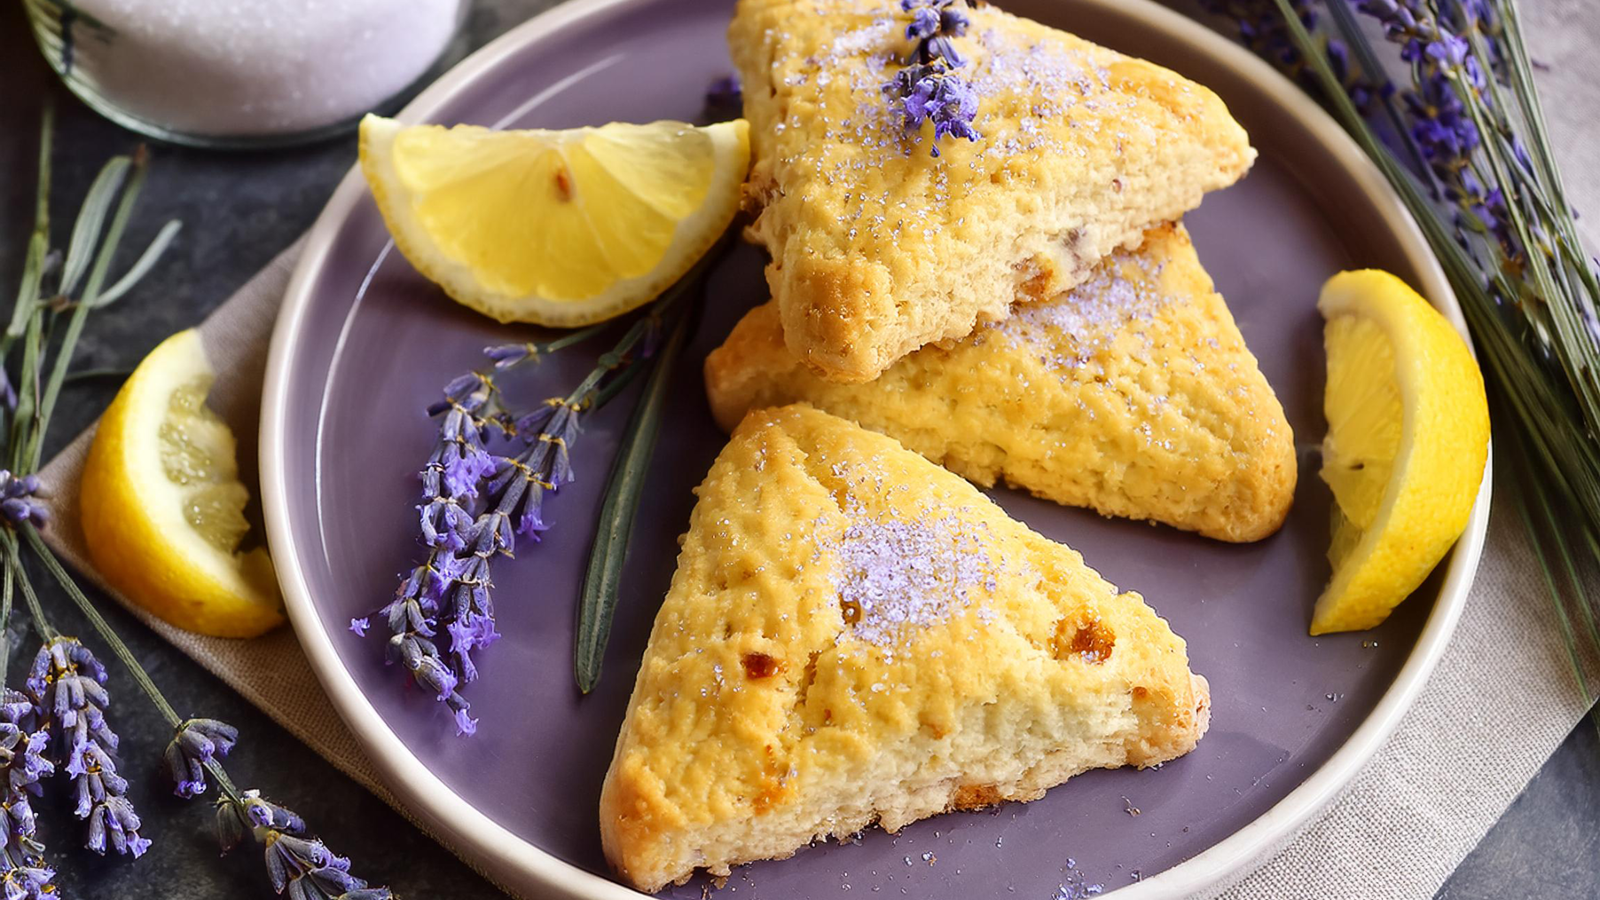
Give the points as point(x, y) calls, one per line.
point(242, 72)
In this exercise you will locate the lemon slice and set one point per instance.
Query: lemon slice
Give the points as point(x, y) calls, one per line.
point(163, 509)
point(1408, 435)
point(559, 228)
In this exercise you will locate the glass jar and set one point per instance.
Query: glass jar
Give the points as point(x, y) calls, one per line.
point(244, 73)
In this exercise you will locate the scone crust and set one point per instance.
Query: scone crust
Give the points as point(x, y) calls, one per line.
point(1154, 409)
point(878, 247)
point(766, 713)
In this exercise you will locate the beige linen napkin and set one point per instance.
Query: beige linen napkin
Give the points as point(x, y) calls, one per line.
point(1501, 700)
point(270, 671)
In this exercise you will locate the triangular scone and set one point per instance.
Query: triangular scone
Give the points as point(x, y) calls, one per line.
point(878, 247)
point(855, 635)
point(1132, 394)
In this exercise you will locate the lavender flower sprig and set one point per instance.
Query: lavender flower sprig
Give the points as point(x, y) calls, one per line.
point(1481, 181)
point(303, 867)
point(67, 688)
point(476, 502)
point(927, 88)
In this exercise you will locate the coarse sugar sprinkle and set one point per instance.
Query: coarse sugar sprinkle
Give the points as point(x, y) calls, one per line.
point(895, 573)
point(1068, 331)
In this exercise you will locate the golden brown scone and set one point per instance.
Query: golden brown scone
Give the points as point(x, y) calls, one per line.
point(878, 247)
point(1132, 394)
point(855, 635)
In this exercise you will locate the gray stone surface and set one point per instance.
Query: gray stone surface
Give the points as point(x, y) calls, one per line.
point(238, 210)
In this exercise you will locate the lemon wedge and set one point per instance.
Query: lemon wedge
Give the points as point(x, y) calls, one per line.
point(1408, 435)
point(559, 228)
point(162, 505)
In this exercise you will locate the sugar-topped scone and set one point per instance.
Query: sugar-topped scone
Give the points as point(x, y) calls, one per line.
point(878, 247)
point(1132, 394)
point(855, 635)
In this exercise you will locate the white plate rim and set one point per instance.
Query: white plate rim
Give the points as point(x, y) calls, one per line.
point(514, 863)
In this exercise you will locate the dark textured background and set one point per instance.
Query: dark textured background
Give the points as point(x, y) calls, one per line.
point(238, 211)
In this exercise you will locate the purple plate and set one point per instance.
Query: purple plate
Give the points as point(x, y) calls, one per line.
point(365, 343)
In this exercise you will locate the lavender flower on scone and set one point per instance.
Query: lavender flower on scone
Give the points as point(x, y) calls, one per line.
point(927, 89)
point(303, 867)
point(66, 686)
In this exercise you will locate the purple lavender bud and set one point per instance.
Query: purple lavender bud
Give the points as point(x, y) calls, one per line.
point(924, 23)
point(465, 724)
point(463, 387)
point(197, 742)
point(18, 499)
point(113, 823)
point(724, 99)
point(300, 866)
point(505, 540)
point(534, 422)
point(465, 469)
point(724, 89)
point(940, 47)
point(15, 707)
point(260, 813)
point(359, 626)
point(446, 525)
point(507, 355)
point(24, 876)
point(925, 89)
point(531, 522)
point(434, 675)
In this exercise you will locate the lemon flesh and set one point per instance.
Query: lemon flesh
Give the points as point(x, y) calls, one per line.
point(162, 505)
point(559, 228)
point(1408, 436)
